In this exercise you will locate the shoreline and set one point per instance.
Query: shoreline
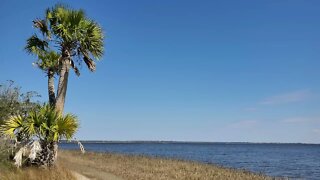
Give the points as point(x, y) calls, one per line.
point(74, 165)
point(98, 165)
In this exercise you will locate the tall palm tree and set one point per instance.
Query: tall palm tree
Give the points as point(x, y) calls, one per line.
point(45, 125)
point(78, 38)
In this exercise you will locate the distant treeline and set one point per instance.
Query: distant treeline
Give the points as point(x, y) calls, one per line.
point(170, 142)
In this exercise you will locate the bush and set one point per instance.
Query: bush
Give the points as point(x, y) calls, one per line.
point(5, 154)
point(14, 102)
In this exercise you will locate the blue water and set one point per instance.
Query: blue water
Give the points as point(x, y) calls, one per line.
point(296, 161)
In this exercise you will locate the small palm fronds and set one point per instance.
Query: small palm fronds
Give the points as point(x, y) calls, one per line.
point(54, 126)
point(32, 123)
point(12, 125)
point(49, 115)
point(66, 127)
point(46, 124)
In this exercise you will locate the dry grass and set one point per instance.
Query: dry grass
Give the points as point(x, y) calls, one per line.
point(143, 168)
point(57, 173)
point(119, 167)
point(9, 172)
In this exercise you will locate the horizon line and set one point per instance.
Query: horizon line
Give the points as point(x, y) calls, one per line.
point(173, 141)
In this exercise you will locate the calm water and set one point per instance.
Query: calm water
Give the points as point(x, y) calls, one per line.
point(299, 161)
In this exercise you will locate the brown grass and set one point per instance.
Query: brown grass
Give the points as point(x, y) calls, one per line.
point(119, 167)
point(56, 173)
point(145, 168)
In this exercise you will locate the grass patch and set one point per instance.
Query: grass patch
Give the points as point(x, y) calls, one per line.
point(56, 173)
point(118, 167)
point(144, 168)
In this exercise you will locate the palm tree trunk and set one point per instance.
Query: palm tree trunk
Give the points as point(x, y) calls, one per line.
point(53, 153)
point(52, 95)
point(63, 84)
point(48, 155)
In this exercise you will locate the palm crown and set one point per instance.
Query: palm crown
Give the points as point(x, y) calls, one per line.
point(71, 31)
point(76, 34)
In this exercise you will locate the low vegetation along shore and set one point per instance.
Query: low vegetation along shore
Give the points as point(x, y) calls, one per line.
point(75, 165)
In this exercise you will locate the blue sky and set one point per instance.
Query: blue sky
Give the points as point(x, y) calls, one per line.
point(244, 71)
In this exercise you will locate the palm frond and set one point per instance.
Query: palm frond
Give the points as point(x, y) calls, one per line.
point(67, 126)
point(89, 62)
point(43, 27)
point(32, 123)
point(48, 60)
point(92, 38)
point(74, 67)
point(11, 125)
point(35, 45)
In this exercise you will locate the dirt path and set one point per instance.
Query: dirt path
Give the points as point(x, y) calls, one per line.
point(85, 170)
point(79, 176)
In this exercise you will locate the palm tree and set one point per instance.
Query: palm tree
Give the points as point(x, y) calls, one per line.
point(78, 38)
point(46, 126)
point(47, 59)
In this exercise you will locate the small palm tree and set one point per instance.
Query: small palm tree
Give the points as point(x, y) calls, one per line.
point(46, 126)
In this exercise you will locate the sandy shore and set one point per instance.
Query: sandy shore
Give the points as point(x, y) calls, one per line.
point(122, 167)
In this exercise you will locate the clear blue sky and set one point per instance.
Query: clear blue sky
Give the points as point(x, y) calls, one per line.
point(186, 70)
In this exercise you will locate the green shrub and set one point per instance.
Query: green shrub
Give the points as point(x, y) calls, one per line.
point(15, 102)
point(5, 153)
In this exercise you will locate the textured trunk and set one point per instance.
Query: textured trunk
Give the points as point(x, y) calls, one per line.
point(48, 155)
point(52, 95)
point(63, 82)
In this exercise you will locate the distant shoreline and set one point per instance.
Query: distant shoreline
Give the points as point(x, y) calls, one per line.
point(178, 142)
